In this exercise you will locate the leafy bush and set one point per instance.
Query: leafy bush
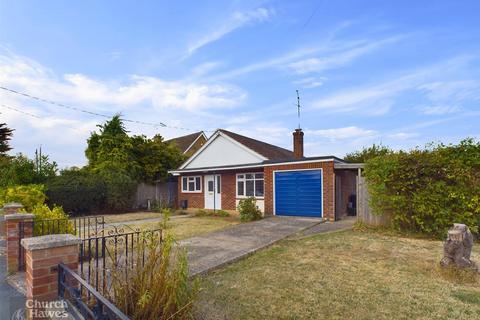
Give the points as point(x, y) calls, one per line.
point(120, 190)
point(160, 289)
point(368, 153)
point(427, 190)
point(42, 212)
point(77, 191)
point(248, 210)
point(212, 213)
point(29, 196)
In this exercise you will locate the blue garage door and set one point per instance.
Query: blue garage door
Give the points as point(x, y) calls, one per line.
point(298, 193)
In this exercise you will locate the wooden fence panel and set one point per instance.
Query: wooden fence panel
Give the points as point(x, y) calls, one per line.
point(364, 212)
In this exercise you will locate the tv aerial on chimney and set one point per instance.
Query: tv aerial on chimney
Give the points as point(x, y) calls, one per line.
point(298, 109)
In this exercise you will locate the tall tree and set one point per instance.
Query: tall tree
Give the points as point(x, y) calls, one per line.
point(5, 136)
point(111, 147)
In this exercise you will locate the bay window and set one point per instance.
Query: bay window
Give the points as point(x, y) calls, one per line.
point(250, 185)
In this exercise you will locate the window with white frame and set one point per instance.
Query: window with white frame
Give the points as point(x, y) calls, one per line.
point(192, 184)
point(250, 185)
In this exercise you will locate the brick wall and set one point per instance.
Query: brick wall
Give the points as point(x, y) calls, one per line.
point(328, 185)
point(195, 200)
point(228, 192)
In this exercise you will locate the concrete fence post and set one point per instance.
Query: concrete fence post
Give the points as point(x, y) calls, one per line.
point(13, 219)
point(43, 254)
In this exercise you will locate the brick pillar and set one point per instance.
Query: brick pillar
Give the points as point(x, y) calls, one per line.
point(12, 222)
point(12, 207)
point(43, 254)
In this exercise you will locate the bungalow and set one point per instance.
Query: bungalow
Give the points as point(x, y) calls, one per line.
point(230, 167)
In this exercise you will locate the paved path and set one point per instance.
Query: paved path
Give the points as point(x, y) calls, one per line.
point(225, 246)
point(10, 299)
point(326, 227)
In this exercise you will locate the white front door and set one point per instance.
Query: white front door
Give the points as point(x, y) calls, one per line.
point(213, 192)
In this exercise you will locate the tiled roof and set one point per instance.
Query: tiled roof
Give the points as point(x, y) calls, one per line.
point(184, 142)
point(267, 150)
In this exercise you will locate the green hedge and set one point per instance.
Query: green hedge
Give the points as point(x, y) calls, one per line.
point(427, 190)
point(77, 191)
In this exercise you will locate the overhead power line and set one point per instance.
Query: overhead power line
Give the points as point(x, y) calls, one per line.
point(20, 111)
point(159, 124)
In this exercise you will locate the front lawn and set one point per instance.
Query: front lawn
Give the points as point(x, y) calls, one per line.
point(132, 216)
point(343, 275)
point(187, 227)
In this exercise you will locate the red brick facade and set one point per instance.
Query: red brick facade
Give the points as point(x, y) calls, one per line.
point(228, 190)
point(328, 185)
point(228, 185)
point(195, 199)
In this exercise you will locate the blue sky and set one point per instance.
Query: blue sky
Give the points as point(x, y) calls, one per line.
point(401, 73)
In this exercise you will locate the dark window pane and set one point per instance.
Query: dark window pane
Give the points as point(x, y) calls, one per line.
point(249, 176)
point(241, 176)
point(258, 175)
point(249, 188)
point(240, 188)
point(210, 186)
point(259, 188)
point(191, 186)
point(197, 184)
point(184, 184)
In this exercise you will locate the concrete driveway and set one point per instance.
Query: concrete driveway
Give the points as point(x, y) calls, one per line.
point(221, 247)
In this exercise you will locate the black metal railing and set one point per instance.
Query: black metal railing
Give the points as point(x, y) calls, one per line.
point(82, 227)
point(88, 301)
point(111, 249)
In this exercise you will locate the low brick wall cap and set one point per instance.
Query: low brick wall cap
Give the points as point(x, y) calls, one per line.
point(19, 216)
point(12, 205)
point(50, 241)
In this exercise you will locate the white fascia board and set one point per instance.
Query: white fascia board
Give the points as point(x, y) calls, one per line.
point(259, 165)
point(199, 150)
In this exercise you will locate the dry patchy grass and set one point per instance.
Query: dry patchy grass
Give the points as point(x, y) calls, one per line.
point(343, 275)
point(132, 216)
point(182, 228)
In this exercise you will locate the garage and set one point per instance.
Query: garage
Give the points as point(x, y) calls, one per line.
point(298, 193)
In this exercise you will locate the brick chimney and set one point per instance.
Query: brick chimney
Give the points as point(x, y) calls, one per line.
point(298, 144)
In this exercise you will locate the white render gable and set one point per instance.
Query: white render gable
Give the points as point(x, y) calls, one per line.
point(222, 150)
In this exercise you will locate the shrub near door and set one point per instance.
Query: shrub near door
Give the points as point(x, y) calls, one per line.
point(248, 210)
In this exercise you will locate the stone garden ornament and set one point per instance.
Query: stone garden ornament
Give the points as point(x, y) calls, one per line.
point(458, 247)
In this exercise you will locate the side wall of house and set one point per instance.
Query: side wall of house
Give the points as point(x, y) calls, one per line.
point(328, 185)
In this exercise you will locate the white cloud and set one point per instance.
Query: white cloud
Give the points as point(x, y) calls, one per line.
point(310, 82)
point(403, 135)
point(237, 20)
point(339, 58)
point(63, 132)
point(342, 133)
point(439, 110)
point(371, 99)
point(26, 75)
